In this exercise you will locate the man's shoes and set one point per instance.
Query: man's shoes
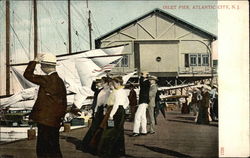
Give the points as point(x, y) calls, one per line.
point(143, 134)
point(135, 135)
point(152, 132)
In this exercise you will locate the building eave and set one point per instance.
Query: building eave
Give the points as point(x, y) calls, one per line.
point(161, 12)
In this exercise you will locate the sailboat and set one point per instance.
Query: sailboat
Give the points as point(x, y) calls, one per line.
point(78, 70)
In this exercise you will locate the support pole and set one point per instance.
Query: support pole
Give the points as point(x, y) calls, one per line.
point(90, 29)
point(69, 27)
point(35, 28)
point(7, 47)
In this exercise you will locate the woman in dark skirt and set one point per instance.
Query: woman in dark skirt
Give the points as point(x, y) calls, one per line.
point(203, 115)
point(185, 108)
point(87, 146)
point(112, 143)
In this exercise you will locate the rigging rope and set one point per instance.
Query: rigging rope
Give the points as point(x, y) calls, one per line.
point(51, 20)
point(30, 29)
point(95, 25)
point(80, 15)
point(13, 41)
point(73, 25)
point(19, 41)
point(17, 37)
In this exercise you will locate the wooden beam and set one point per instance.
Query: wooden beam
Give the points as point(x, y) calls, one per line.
point(183, 35)
point(127, 35)
point(146, 30)
point(167, 30)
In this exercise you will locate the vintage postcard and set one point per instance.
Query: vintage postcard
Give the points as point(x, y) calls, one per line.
point(140, 79)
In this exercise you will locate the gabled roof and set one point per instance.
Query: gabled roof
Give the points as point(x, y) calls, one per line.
point(161, 12)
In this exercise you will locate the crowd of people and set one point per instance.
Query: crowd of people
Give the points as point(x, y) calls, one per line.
point(105, 136)
point(203, 102)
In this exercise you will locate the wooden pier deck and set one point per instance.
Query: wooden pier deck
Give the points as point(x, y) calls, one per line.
point(177, 136)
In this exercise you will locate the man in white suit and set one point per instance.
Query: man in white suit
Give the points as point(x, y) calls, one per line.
point(140, 115)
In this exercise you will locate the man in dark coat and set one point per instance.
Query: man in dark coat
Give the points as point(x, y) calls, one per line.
point(140, 115)
point(50, 106)
point(132, 102)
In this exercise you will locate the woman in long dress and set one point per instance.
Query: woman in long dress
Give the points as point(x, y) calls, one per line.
point(203, 115)
point(87, 145)
point(112, 143)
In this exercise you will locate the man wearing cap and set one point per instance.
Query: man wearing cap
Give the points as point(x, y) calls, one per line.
point(50, 106)
point(151, 105)
point(140, 115)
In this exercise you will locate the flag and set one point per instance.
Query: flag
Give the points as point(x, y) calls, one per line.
point(108, 67)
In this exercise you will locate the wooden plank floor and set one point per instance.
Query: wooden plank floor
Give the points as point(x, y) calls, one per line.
point(177, 136)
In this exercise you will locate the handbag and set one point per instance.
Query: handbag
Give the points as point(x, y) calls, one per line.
point(111, 123)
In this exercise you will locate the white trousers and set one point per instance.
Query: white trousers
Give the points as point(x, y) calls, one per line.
point(140, 119)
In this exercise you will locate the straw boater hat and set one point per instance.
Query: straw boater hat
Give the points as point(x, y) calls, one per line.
point(145, 72)
point(153, 78)
point(48, 59)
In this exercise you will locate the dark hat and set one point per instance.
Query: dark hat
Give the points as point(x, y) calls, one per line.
point(106, 79)
point(118, 79)
point(98, 80)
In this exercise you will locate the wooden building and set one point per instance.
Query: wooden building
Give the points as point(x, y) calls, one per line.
point(164, 45)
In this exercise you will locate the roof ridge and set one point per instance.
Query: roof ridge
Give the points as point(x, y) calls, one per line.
point(157, 10)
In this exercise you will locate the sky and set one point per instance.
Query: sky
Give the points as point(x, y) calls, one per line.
point(106, 16)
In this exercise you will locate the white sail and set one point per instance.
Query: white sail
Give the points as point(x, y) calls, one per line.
point(18, 74)
point(23, 95)
point(77, 72)
point(125, 78)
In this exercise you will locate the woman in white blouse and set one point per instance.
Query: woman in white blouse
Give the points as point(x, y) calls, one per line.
point(91, 139)
point(112, 140)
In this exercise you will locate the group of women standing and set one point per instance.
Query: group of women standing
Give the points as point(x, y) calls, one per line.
point(201, 104)
point(105, 137)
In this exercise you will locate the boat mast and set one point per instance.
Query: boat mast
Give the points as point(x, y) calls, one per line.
point(69, 27)
point(35, 28)
point(90, 27)
point(7, 47)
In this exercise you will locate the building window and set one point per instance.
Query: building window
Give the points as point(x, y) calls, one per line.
point(124, 62)
point(193, 60)
point(199, 59)
point(196, 60)
point(205, 60)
